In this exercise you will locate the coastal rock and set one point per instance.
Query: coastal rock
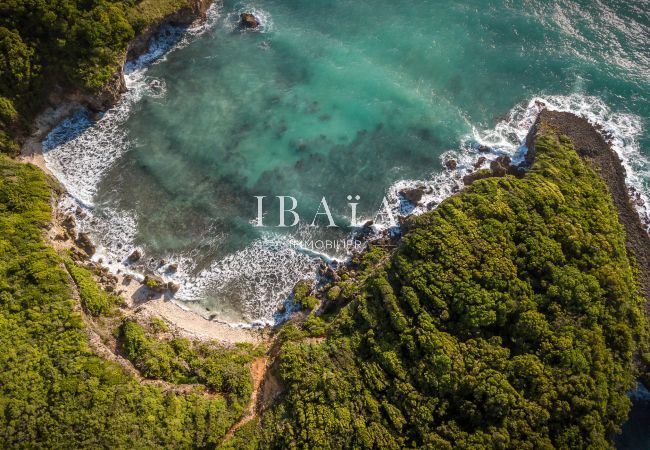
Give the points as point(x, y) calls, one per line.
point(111, 93)
point(413, 195)
point(483, 148)
point(195, 9)
point(69, 223)
point(134, 256)
point(451, 164)
point(248, 20)
point(470, 178)
point(172, 268)
point(366, 228)
point(332, 274)
point(155, 283)
point(84, 243)
point(500, 166)
point(480, 162)
point(173, 287)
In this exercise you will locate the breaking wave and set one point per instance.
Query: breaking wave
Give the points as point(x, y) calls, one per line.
point(256, 279)
point(622, 130)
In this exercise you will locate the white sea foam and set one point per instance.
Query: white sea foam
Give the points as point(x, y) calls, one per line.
point(80, 152)
point(263, 17)
point(261, 276)
point(508, 138)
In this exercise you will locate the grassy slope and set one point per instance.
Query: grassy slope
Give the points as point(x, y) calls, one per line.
point(508, 318)
point(54, 392)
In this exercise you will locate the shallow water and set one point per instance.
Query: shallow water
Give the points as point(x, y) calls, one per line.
point(330, 99)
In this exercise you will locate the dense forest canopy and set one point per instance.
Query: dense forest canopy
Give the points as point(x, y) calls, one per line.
point(55, 392)
point(50, 45)
point(508, 318)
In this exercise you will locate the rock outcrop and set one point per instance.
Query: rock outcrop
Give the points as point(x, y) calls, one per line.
point(134, 256)
point(248, 20)
point(84, 243)
point(195, 9)
point(413, 195)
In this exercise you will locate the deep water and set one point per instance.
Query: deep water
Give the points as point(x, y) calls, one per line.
point(330, 99)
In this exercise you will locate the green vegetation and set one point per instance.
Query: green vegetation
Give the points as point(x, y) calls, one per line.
point(54, 392)
point(95, 301)
point(508, 318)
point(71, 44)
point(145, 12)
point(180, 361)
point(302, 297)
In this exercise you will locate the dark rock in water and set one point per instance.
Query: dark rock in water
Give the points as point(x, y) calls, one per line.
point(282, 308)
point(413, 195)
point(480, 162)
point(483, 148)
point(451, 164)
point(134, 257)
point(172, 268)
point(173, 287)
point(84, 243)
point(248, 20)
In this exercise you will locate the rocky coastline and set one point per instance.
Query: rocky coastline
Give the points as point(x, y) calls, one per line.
point(150, 295)
point(62, 102)
point(592, 146)
point(589, 141)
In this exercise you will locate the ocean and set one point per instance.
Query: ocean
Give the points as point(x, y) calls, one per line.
point(348, 101)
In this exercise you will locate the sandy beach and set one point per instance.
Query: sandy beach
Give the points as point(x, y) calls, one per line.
point(139, 300)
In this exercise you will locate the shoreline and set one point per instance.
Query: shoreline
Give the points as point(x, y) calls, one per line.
point(139, 300)
point(190, 321)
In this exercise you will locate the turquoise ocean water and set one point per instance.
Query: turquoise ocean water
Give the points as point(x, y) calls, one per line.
point(329, 99)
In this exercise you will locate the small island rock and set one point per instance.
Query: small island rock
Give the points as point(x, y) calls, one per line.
point(248, 20)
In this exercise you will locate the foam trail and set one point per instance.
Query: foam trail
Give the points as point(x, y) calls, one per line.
point(622, 130)
point(262, 275)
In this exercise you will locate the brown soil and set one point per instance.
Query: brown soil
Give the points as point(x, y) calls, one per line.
point(596, 151)
point(258, 373)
